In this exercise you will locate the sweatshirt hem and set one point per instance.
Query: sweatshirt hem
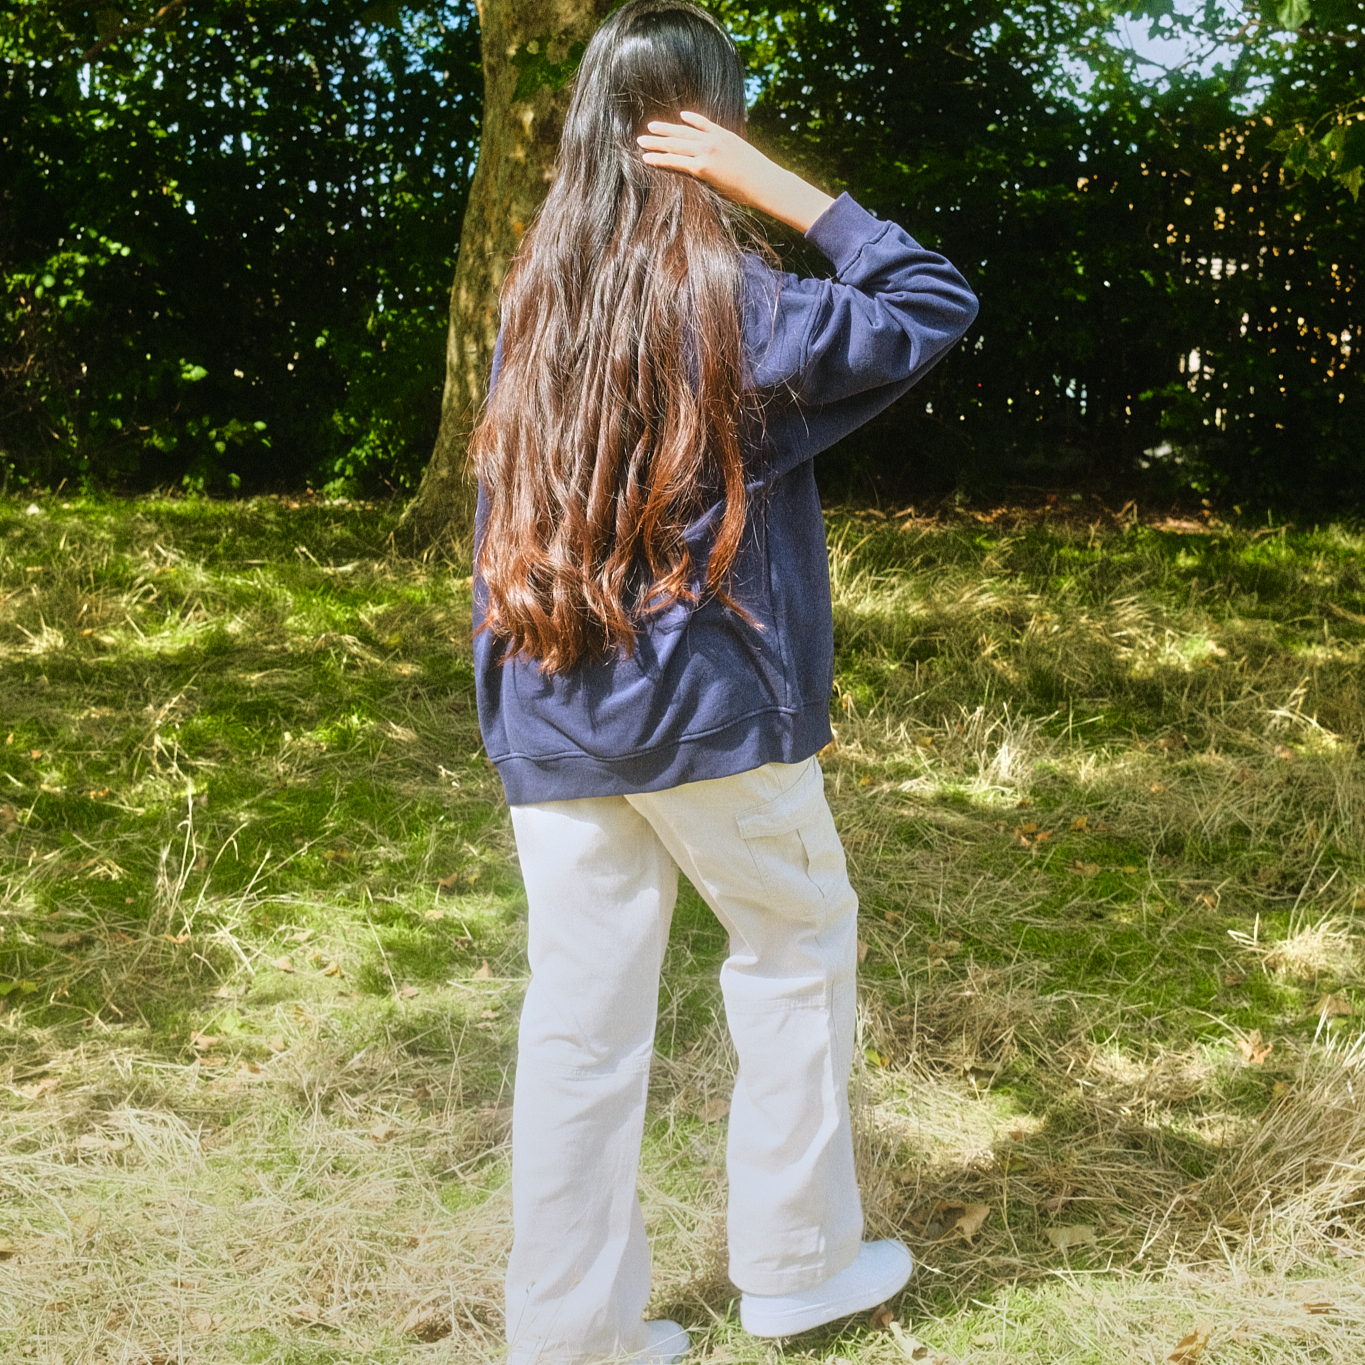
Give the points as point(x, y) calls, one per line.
point(774, 736)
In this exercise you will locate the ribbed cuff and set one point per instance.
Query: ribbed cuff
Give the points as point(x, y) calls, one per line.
point(843, 229)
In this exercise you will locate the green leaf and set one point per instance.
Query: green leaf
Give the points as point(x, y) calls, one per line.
point(1294, 14)
point(1352, 179)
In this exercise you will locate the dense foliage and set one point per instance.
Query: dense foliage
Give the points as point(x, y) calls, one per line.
point(1159, 293)
point(227, 230)
point(228, 236)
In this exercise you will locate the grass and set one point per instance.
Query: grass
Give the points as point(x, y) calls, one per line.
point(261, 946)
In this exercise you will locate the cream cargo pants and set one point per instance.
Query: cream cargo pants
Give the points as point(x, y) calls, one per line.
point(601, 878)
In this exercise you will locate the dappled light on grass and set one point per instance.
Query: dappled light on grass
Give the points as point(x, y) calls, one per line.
point(262, 954)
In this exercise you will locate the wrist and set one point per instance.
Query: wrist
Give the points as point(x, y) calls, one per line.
point(795, 202)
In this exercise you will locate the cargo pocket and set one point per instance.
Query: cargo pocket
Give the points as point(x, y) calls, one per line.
point(796, 850)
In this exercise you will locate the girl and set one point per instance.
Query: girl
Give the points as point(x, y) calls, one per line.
point(654, 656)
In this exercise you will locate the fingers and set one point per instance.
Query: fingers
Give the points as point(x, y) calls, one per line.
point(671, 163)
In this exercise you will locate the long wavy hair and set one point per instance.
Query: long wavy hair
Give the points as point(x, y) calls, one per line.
point(617, 415)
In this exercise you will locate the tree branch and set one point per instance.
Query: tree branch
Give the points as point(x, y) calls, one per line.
point(128, 30)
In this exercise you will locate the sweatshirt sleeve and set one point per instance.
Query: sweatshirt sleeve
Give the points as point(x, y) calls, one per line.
point(847, 348)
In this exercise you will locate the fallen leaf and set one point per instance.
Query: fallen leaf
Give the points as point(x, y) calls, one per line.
point(891, 917)
point(1057, 1200)
point(7, 1249)
point(949, 947)
point(1253, 1049)
point(1234, 979)
point(1073, 1235)
point(37, 1089)
point(332, 969)
point(276, 1043)
point(983, 1341)
point(383, 1130)
point(283, 964)
point(448, 884)
point(307, 1312)
point(427, 1322)
point(1334, 1007)
point(969, 1221)
point(1080, 869)
point(713, 1111)
point(203, 1321)
point(436, 914)
point(250, 1071)
point(1080, 824)
point(909, 1347)
point(61, 940)
point(882, 1317)
point(1156, 788)
point(56, 1306)
point(407, 992)
point(1188, 1349)
point(485, 973)
point(1284, 753)
point(862, 951)
point(201, 1041)
point(300, 936)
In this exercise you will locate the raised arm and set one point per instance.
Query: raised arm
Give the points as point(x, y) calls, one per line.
point(734, 167)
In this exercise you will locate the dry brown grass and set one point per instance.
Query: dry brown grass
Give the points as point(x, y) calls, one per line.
point(1103, 804)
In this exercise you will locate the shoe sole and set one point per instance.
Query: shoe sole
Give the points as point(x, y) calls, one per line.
point(804, 1320)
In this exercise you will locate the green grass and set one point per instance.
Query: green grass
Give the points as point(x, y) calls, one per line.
point(1102, 795)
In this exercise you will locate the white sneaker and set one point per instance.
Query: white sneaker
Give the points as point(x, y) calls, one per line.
point(667, 1343)
point(881, 1270)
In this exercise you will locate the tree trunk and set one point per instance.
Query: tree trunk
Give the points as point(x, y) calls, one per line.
point(530, 49)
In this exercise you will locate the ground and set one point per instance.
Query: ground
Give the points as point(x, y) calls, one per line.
point(262, 945)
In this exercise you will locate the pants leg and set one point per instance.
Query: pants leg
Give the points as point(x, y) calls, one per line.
point(762, 849)
point(601, 889)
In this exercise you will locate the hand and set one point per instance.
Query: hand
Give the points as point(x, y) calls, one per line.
point(734, 168)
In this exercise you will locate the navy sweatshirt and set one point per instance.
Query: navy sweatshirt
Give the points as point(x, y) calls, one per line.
point(706, 694)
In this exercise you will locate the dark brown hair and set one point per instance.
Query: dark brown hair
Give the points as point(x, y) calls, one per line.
point(616, 418)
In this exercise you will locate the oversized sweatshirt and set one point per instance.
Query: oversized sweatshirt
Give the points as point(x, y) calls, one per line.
point(706, 693)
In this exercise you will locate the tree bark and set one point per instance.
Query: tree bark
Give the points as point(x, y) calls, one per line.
point(530, 49)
